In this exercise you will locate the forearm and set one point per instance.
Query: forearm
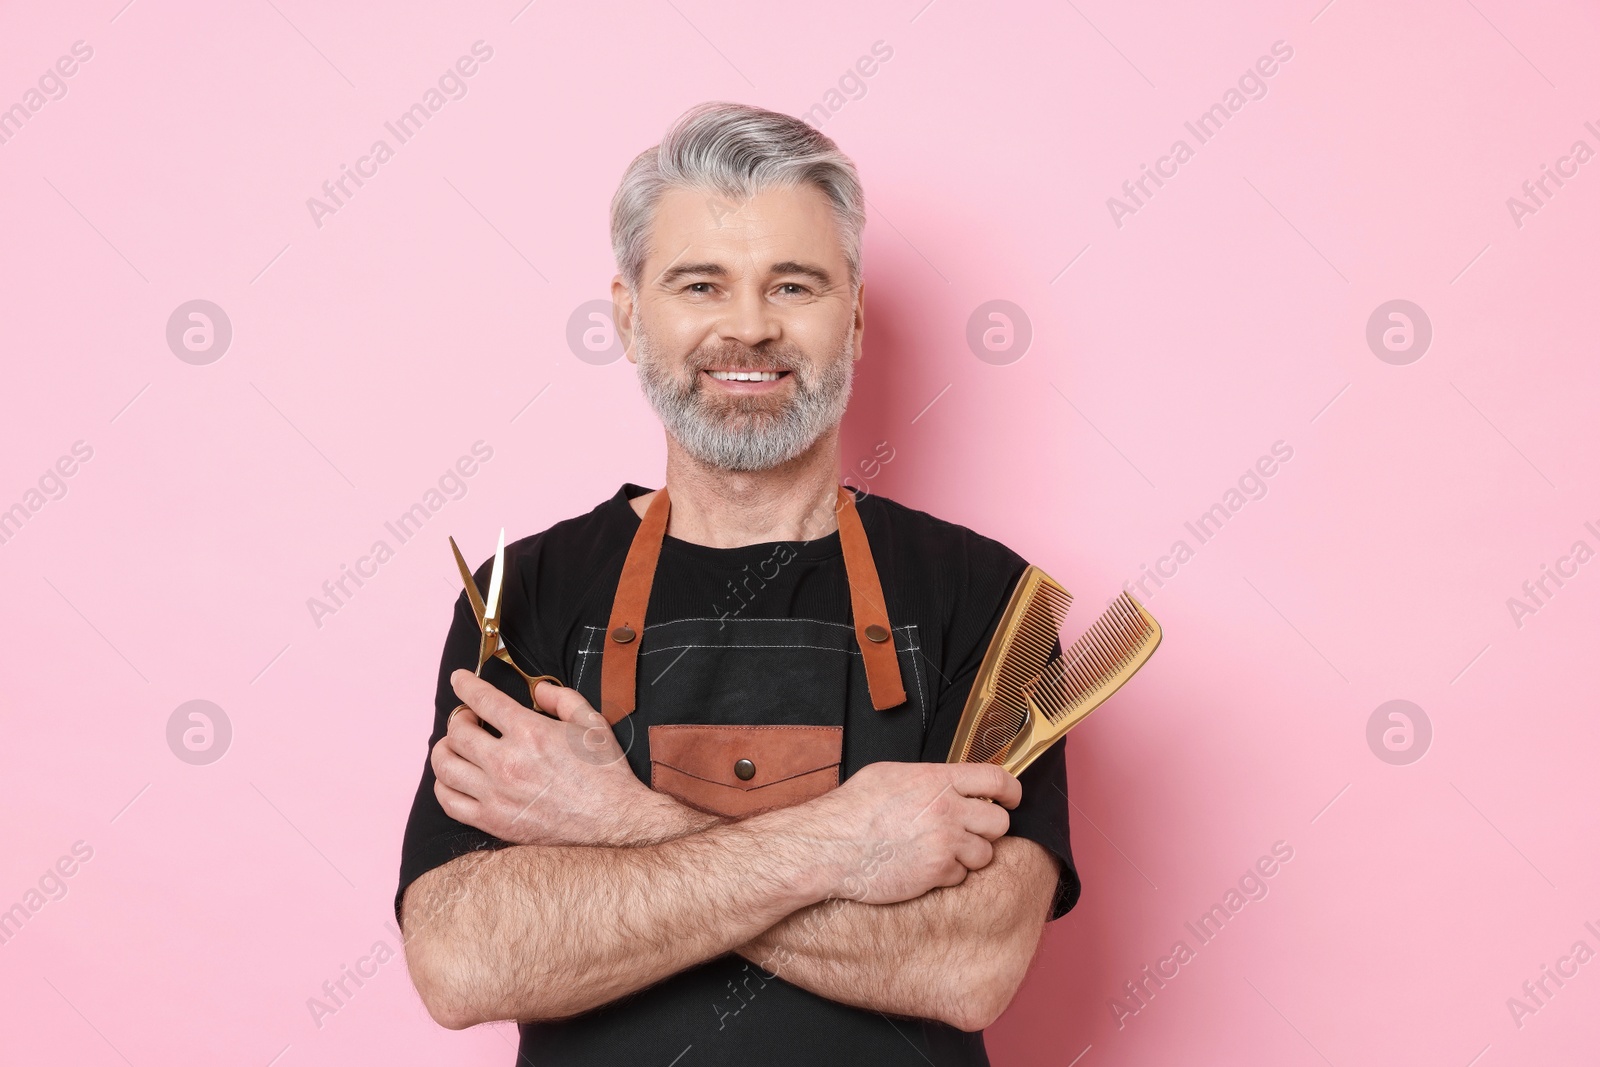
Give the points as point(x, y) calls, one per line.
point(956, 954)
point(602, 896)
point(543, 932)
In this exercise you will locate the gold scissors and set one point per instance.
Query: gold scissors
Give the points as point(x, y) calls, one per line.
point(490, 644)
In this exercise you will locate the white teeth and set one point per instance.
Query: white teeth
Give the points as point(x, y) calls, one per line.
point(745, 375)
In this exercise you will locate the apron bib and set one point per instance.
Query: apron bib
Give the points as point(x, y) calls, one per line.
point(736, 716)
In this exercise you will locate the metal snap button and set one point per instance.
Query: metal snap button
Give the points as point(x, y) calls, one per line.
point(745, 770)
point(623, 634)
point(877, 634)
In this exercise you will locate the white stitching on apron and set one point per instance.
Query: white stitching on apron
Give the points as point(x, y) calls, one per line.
point(586, 651)
point(909, 630)
point(756, 618)
point(917, 670)
point(735, 648)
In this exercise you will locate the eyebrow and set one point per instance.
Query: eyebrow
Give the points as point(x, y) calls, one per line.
point(716, 270)
point(816, 274)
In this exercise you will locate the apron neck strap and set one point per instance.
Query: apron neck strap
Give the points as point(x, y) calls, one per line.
point(874, 635)
point(619, 656)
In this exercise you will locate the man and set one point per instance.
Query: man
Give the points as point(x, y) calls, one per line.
point(803, 880)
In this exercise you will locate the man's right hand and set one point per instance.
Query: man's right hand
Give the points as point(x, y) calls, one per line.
point(893, 831)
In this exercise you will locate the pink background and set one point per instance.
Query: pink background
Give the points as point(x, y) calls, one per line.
point(1168, 354)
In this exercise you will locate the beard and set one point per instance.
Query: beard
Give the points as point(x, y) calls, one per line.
point(745, 433)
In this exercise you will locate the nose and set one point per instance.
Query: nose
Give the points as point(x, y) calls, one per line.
point(748, 318)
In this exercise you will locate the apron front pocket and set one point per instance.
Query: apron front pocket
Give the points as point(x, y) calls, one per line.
point(739, 770)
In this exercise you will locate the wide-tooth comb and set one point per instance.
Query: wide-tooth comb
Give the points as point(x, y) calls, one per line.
point(1023, 642)
point(1021, 703)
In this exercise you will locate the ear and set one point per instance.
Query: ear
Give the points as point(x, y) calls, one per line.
point(622, 311)
point(860, 325)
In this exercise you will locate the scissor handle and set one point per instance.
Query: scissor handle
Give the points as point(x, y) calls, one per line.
point(532, 679)
point(533, 683)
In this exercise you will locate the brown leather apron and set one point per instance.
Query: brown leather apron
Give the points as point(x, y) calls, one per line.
point(740, 768)
point(736, 712)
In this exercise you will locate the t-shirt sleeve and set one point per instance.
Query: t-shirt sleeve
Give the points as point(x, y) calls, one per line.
point(433, 838)
point(1042, 817)
point(1042, 813)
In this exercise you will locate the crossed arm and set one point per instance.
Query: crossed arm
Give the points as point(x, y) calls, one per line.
point(956, 954)
point(544, 931)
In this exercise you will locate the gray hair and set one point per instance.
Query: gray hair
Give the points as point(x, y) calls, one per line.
point(737, 151)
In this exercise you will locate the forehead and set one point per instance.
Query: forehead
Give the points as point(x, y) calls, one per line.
point(776, 225)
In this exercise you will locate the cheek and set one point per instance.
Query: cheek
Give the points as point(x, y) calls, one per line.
point(811, 339)
point(682, 342)
point(825, 332)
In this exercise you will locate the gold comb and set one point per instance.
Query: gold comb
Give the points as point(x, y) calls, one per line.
point(1024, 699)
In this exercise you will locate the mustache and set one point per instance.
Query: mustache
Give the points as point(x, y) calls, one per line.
point(744, 358)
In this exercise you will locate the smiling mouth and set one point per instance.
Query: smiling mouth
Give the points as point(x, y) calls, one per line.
point(748, 375)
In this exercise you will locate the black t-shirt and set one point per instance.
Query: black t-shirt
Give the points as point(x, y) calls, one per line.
point(944, 580)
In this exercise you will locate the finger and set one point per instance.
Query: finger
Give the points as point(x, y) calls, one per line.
point(469, 739)
point(495, 709)
point(458, 773)
point(466, 684)
point(480, 695)
point(974, 852)
point(987, 820)
point(457, 804)
point(986, 780)
point(955, 874)
point(567, 705)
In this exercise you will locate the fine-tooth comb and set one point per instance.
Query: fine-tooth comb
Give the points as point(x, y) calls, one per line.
point(1024, 699)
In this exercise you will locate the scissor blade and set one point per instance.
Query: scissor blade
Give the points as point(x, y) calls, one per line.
point(491, 603)
point(473, 596)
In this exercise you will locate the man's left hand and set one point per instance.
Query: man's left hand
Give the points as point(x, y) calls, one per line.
point(544, 781)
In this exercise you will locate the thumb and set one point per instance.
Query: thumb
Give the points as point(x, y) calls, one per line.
point(567, 705)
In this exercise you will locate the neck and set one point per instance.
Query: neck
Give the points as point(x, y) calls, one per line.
point(728, 509)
